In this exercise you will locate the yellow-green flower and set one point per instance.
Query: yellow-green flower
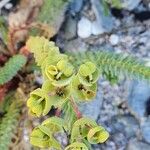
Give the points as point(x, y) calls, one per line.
point(83, 92)
point(61, 73)
point(42, 136)
point(57, 95)
point(38, 103)
point(97, 135)
point(88, 73)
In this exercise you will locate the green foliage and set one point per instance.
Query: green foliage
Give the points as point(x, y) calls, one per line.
point(113, 65)
point(10, 69)
point(51, 11)
point(43, 137)
point(9, 123)
point(113, 3)
point(76, 146)
point(68, 78)
point(3, 29)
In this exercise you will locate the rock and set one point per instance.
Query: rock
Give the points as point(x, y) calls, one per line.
point(3, 3)
point(96, 28)
point(84, 28)
point(114, 39)
point(70, 28)
point(8, 6)
point(75, 45)
point(127, 125)
point(145, 130)
point(120, 140)
point(92, 109)
point(134, 144)
point(130, 4)
point(75, 6)
point(104, 21)
point(139, 94)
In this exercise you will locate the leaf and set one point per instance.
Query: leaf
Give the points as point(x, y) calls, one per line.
point(114, 64)
point(9, 123)
point(55, 124)
point(45, 52)
point(69, 115)
point(3, 29)
point(11, 68)
point(77, 146)
point(42, 136)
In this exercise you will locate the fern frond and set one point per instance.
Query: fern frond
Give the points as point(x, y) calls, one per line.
point(11, 68)
point(114, 64)
point(8, 124)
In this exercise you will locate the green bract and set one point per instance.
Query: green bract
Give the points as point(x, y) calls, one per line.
point(57, 95)
point(81, 128)
point(83, 92)
point(88, 73)
point(60, 74)
point(42, 136)
point(38, 103)
point(97, 135)
point(76, 146)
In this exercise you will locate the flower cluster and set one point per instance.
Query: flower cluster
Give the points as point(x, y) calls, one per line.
point(62, 81)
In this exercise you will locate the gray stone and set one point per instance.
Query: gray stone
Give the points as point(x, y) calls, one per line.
point(75, 6)
point(92, 109)
point(127, 125)
point(84, 28)
point(114, 39)
point(75, 45)
point(134, 144)
point(139, 94)
point(70, 28)
point(104, 21)
point(145, 130)
point(96, 28)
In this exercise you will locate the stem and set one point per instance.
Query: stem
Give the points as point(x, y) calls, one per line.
point(75, 108)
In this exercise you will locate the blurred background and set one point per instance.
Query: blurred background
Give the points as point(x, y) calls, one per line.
point(121, 26)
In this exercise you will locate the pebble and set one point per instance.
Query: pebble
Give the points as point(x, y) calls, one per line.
point(84, 28)
point(75, 6)
point(97, 28)
point(134, 144)
point(145, 130)
point(114, 39)
point(70, 28)
point(8, 6)
point(139, 94)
